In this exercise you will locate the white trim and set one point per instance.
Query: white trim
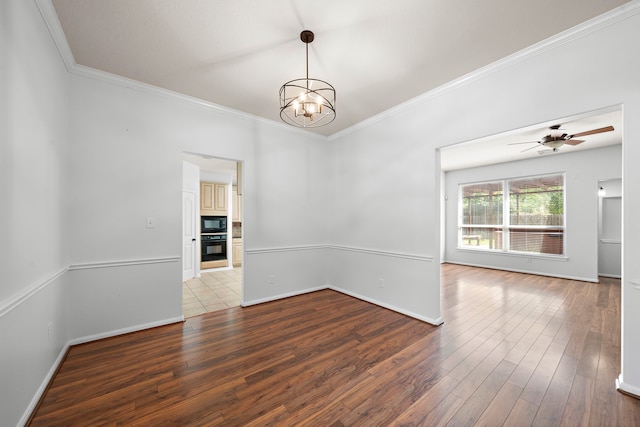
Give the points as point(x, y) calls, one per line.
point(611, 241)
point(123, 263)
point(533, 255)
point(61, 356)
point(625, 11)
point(626, 388)
point(50, 18)
point(285, 249)
point(93, 73)
point(612, 276)
point(581, 30)
point(43, 386)
point(515, 270)
point(404, 255)
point(29, 292)
point(434, 322)
point(127, 330)
point(14, 302)
point(282, 296)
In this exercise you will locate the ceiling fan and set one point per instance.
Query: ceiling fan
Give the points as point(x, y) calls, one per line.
point(557, 138)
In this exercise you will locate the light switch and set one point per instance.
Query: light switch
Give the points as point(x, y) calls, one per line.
point(151, 222)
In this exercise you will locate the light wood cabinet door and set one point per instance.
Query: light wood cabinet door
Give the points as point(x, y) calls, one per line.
point(237, 252)
point(213, 199)
point(220, 200)
point(206, 198)
point(236, 208)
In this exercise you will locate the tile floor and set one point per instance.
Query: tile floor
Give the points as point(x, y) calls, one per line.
point(212, 291)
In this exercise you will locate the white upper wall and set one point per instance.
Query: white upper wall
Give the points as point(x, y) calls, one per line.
point(34, 120)
point(126, 148)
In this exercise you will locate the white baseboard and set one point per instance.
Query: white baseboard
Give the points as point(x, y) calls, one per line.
point(516, 270)
point(130, 329)
point(56, 364)
point(626, 388)
point(36, 398)
point(436, 322)
point(281, 296)
point(43, 386)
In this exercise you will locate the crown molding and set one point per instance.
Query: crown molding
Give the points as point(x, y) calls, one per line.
point(50, 17)
point(581, 30)
point(95, 74)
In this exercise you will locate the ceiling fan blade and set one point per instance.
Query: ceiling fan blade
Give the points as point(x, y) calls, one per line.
point(594, 131)
point(574, 141)
point(530, 148)
point(525, 142)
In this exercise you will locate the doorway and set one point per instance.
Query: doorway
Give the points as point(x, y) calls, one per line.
point(208, 287)
point(609, 228)
point(521, 153)
point(215, 289)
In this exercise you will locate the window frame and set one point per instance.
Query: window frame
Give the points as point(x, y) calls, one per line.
point(505, 228)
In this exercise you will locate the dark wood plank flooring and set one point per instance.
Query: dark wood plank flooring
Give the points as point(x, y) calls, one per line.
point(515, 350)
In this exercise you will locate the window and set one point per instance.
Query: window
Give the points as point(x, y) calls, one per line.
point(482, 215)
point(513, 215)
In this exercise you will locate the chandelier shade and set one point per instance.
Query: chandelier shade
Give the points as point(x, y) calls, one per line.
point(306, 102)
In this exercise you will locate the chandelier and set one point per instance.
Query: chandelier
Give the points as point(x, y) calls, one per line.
point(307, 103)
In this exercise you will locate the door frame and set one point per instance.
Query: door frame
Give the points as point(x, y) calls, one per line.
point(194, 241)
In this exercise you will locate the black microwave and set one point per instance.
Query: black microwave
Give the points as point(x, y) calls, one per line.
point(213, 224)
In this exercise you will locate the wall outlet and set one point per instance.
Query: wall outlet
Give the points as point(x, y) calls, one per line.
point(381, 282)
point(272, 279)
point(151, 222)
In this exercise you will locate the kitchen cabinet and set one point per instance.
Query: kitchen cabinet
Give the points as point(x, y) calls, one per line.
point(236, 208)
point(213, 199)
point(237, 252)
point(213, 264)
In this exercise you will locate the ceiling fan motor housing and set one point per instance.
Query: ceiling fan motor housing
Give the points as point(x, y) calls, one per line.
point(553, 142)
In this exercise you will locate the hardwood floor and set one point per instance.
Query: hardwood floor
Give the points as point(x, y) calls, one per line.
point(515, 350)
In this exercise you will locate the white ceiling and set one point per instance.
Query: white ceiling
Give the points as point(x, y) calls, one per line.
point(376, 53)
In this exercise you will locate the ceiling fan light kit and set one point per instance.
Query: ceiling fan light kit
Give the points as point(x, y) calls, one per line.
point(601, 191)
point(556, 138)
point(307, 103)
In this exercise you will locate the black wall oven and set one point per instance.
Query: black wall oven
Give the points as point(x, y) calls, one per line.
point(213, 224)
point(214, 247)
